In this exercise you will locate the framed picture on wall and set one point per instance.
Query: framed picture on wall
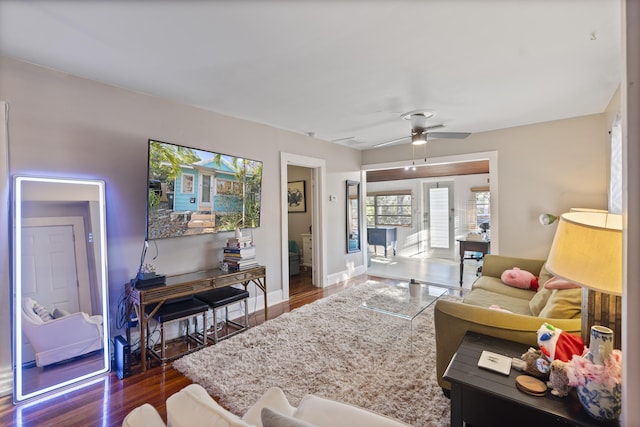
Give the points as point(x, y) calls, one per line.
point(296, 196)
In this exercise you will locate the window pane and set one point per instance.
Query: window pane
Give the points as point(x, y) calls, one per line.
point(389, 209)
point(483, 214)
point(187, 183)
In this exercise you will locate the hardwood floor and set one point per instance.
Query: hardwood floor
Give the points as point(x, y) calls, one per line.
point(108, 400)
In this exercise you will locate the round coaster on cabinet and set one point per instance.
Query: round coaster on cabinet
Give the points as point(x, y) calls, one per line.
point(531, 385)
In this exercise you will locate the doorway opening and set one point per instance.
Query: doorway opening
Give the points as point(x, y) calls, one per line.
point(427, 243)
point(301, 225)
point(300, 229)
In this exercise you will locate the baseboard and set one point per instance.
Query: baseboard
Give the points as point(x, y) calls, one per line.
point(6, 381)
point(332, 279)
point(256, 302)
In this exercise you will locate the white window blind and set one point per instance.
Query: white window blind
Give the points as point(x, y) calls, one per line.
point(439, 213)
point(615, 190)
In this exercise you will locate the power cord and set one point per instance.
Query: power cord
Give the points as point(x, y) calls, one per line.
point(121, 318)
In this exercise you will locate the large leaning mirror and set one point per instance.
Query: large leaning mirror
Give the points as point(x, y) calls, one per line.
point(353, 216)
point(60, 325)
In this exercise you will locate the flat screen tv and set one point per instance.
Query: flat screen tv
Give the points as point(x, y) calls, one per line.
point(193, 191)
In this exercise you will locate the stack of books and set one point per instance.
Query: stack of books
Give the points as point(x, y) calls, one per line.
point(240, 254)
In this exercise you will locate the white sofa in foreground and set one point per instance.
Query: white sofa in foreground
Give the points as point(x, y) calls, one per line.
point(192, 406)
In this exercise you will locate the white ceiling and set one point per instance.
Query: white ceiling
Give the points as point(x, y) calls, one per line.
point(338, 69)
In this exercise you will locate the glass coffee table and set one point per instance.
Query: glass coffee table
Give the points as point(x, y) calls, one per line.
point(403, 302)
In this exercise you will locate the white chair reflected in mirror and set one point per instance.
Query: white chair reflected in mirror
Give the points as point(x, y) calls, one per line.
point(59, 336)
point(60, 261)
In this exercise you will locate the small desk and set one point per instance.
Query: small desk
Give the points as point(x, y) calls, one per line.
point(481, 397)
point(472, 246)
point(384, 236)
point(186, 285)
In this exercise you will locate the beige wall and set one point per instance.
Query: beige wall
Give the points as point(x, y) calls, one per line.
point(545, 167)
point(67, 126)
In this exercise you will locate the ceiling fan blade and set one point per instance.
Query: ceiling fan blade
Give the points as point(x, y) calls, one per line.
point(393, 141)
point(448, 135)
point(428, 128)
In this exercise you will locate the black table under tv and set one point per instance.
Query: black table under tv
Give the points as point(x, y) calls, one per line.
point(187, 284)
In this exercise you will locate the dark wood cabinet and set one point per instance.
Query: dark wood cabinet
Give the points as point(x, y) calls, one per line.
point(480, 397)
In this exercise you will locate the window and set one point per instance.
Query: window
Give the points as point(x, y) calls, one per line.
point(615, 181)
point(479, 212)
point(187, 183)
point(224, 186)
point(392, 208)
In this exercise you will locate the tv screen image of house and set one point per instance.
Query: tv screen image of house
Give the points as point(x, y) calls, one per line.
point(193, 191)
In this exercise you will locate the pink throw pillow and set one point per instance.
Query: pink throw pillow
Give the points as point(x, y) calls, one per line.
point(558, 283)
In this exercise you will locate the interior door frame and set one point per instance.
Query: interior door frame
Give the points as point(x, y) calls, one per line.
point(491, 156)
point(315, 194)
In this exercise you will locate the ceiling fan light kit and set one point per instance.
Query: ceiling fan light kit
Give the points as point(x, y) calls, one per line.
point(420, 132)
point(418, 138)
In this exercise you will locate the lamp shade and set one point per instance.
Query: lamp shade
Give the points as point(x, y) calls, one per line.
point(588, 210)
point(587, 250)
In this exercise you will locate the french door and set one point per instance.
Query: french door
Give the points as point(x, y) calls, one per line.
point(437, 234)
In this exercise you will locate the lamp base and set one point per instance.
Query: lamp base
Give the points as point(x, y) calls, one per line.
point(599, 308)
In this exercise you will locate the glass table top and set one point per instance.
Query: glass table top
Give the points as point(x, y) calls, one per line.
point(401, 301)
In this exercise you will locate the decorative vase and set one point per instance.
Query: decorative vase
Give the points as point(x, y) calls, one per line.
point(238, 233)
point(601, 401)
point(415, 289)
point(601, 344)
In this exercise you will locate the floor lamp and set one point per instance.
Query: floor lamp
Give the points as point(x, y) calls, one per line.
point(587, 250)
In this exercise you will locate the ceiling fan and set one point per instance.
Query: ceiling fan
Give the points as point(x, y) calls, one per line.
point(420, 132)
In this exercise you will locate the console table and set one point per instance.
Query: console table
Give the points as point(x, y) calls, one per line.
point(480, 397)
point(384, 236)
point(187, 285)
point(472, 246)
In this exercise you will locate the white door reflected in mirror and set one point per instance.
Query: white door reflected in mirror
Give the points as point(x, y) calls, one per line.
point(60, 308)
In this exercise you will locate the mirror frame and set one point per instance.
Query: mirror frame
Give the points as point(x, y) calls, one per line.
point(20, 394)
point(357, 246)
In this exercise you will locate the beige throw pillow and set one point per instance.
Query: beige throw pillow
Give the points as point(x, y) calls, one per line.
point(563, 304)
point(539, 300)
point(544, 275)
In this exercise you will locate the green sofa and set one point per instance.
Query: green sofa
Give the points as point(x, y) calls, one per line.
point(528, 310)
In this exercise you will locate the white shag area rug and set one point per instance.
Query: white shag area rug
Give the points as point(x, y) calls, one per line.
point(332, 348)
